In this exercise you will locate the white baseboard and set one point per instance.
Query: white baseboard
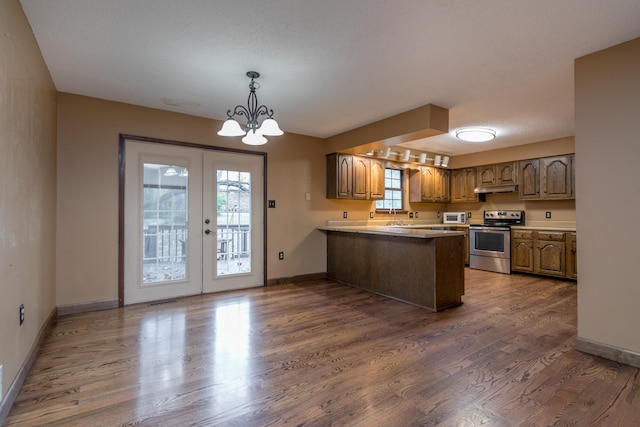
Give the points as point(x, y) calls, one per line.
point(607, 351)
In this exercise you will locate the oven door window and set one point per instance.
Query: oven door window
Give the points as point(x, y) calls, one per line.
point(488, 241)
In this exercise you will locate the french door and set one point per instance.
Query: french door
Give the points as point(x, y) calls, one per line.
point(193, 223)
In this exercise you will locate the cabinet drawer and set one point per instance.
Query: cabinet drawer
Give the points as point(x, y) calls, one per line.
point(556, 236)
point(521, 234)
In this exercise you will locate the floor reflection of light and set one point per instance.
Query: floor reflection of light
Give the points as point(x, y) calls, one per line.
point(162, 347)
point(231, 349)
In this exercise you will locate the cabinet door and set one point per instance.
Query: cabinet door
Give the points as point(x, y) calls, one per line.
point(458, 190)
point(487, 175)
point(427, 181)
point(377, 179)
point(522, 255)
point(466, 244)
point(361, 168)
point(529, 179)
point(550, 258)
point(463, 182)
point(507, 173)
point(572, 256)
point(556, 178)
point(470, 180)
point(441, 190)
point(339, 176)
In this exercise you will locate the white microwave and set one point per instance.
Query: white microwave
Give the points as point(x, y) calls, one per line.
point(454, 218)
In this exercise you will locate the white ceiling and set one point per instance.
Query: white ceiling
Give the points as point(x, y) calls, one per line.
point(328, 66)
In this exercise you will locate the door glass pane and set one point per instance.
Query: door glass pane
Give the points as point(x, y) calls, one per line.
point(164, 240)
point(233, 250)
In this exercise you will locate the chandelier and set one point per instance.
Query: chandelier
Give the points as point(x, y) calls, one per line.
point(254, 134)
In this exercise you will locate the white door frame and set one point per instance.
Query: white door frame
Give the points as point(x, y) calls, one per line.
point(121, 199)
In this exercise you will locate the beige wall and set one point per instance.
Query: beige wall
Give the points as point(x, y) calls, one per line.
point(27, 189)
point(608, 182)
point(87, 242)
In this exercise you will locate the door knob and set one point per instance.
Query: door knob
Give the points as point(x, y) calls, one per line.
point(207, 231)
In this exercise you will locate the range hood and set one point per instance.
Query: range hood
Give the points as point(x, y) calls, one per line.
point(496, 189)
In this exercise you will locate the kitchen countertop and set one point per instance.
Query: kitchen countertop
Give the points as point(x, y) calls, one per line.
point(547, 225)
point(378, 226)
point(423, 231)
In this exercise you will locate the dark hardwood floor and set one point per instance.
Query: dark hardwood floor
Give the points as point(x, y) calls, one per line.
point(320, 353)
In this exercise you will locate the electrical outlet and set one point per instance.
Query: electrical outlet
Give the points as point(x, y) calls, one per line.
point(411, 215)
point(344, 214)
point(415, 214)
point(21, 314)
point(438, 215)
point(307, 196)
point(548, 214)
point(272, 203)
point(280, 256)
point(468, 214)
point(371, 215)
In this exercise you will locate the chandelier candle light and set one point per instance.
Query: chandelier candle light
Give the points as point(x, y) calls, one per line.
point(254, 133)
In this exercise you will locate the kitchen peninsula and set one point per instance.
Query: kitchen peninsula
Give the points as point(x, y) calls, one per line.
point(417, 265)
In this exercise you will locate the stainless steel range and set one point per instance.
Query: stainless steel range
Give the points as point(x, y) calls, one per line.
point(490, 242)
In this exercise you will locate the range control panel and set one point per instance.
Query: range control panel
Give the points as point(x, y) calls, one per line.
point(503, 214)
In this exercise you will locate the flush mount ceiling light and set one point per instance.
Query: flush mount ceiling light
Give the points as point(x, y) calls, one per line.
point(476, 134)
point(254, 133)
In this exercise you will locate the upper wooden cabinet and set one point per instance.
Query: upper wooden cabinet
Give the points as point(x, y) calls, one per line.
point(361, 180)
point(429, 184)
point(507, 173)
point(442, 185)
point(354, 177)
point(486, 175)
point(463, 182)
point(556, 177)
point(529, 179)
point(377, 179)
point(498, 174)
point(547, 178)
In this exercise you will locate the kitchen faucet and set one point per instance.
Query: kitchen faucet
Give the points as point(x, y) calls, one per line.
point(393, 210)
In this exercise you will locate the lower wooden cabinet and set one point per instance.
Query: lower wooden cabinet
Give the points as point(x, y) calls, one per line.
point(522, 251)
point(550, 253)
point(571, 257)
point(466, 239)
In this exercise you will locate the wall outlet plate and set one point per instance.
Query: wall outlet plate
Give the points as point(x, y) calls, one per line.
point(371, 215)
point(547, 214)
point(468, 214)
point(344, 214)
point(411, 215)
point(281, 255)
point(416, 214)
point(272, 204)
